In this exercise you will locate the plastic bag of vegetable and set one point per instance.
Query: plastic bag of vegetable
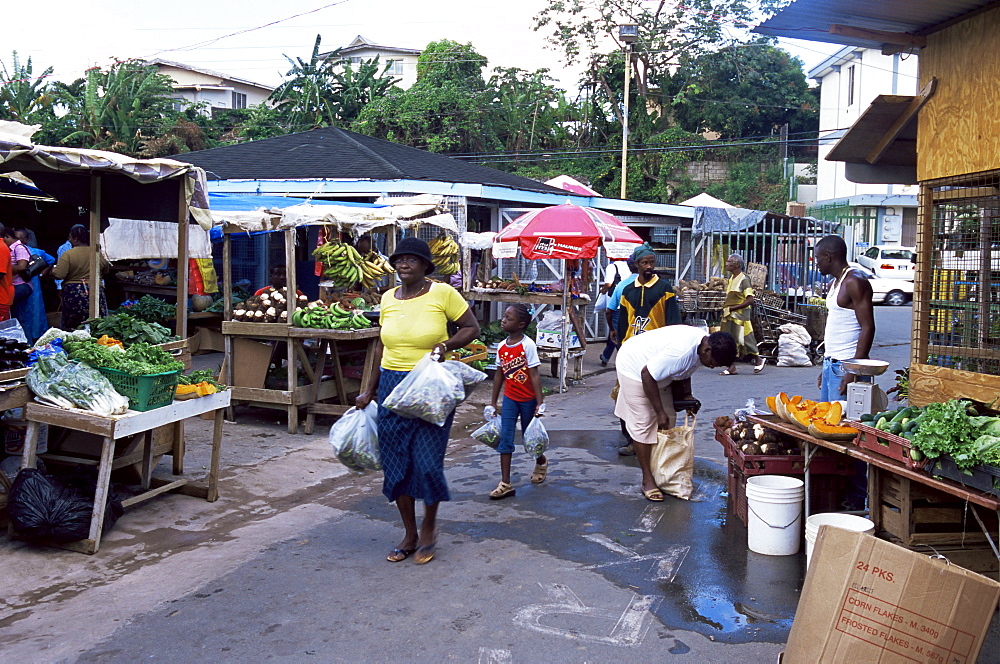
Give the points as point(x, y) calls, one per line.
point(469, 376)
point(42, 507)
point(536, 438)
point(354, 438)
point(56, 380)
point(489, 433)
point(429, 392)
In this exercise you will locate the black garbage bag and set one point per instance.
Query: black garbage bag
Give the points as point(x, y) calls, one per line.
point(43, 507)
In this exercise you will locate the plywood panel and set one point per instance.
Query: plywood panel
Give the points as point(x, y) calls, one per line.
point(959, 126)
point(929, 383)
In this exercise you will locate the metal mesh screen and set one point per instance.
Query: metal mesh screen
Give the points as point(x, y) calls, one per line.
point(958, 274)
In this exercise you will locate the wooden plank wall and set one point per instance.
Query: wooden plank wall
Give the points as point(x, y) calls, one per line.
point(930, 383)
point(958, 128)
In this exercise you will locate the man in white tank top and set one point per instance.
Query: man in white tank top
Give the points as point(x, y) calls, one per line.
point(850, 322)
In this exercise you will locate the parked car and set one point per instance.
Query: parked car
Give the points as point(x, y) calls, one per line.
point(889, 262)
point(886, 291)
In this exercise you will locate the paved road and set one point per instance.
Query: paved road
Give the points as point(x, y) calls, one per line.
point(289, 564)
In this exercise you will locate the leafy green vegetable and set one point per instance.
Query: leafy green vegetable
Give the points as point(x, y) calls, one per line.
point(139, 359)
point(128, 329)
point(200, 376)
point(150, 309)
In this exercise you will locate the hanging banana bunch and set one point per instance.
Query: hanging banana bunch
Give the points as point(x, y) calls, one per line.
point(373, 268)
point(444, 253)
point(343, 265)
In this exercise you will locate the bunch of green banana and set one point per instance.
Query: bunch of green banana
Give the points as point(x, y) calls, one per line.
point(332, 317)
point(343, 263)
point(444, 253)
point(373, 268)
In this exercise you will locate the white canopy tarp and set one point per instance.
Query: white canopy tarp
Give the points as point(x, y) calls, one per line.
point(358, 220)
point(141, 239)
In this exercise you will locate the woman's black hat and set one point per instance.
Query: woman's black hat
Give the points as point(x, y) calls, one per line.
point(415, 247)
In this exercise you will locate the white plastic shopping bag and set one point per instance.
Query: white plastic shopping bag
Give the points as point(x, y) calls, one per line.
point(429, 392)
point(354, 438)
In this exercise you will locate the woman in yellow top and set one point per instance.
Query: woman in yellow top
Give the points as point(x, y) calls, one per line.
point(414, 317)
point(736, 315)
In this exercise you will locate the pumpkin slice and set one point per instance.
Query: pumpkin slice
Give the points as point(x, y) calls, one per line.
point(782, 410)
point(782, 397)
point(772, 405)
point(821, 429)
point(834, 415)
point(801, 418)
point(795, 400)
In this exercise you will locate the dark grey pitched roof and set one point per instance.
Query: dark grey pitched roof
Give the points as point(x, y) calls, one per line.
point(339, 154)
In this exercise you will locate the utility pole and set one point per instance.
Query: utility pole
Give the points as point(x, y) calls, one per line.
point(628, 33)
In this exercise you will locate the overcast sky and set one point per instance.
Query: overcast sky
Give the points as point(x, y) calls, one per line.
point(72, 35)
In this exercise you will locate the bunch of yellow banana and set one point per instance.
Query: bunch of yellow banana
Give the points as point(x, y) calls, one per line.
point(343, 263)
point(444, 253)
point(373, 268)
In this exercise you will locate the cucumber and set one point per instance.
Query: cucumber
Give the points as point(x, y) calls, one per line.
point(916, 454)
point(867, 417)
point(888, 415)
point(911, 426)
point(895, 428)
point(900, 415)
point(881, 423)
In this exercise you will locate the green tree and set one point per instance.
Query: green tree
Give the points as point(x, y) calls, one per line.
point(744, 90)
point(448, 109)
point(327, 90)
point(121, 107)
point(530, 112)
point(24, 97)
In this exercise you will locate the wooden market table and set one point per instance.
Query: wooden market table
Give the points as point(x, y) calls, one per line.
point(139, 427)
point(316, 391)
point(883, 465)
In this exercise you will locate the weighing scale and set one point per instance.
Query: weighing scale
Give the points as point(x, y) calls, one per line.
point(863, 395)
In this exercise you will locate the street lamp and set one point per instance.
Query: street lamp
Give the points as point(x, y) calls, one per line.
point(628, 33)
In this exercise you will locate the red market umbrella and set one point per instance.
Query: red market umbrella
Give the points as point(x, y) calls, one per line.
point(565, 232)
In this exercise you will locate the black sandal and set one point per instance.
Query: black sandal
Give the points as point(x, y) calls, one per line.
point(399, 555)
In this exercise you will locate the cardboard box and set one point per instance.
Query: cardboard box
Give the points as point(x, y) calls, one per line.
point(251, 360)
point(553, 339)
point(207, 340)
point(868, 600)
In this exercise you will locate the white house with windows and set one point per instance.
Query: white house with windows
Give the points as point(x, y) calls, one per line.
point(215, 91)
point(850, 80)
point(404, 60)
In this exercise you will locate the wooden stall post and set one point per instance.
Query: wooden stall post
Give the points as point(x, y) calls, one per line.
point(227, 308)
point(95, 246)
point(291, 288)
point(182, 262)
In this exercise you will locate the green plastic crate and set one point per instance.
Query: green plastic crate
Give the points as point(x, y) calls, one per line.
point(144, 392)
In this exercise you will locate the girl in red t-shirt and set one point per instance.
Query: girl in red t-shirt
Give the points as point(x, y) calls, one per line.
point(517, 375)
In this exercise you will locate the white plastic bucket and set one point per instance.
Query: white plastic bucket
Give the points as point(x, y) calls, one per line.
point(856, 524)
point(774, 514)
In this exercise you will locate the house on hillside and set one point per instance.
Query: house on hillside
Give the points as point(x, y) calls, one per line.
point(850, 80)
point(404, 60)
point(214, 90)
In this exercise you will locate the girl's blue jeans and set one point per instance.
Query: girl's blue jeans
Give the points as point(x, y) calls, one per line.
point(509, 412)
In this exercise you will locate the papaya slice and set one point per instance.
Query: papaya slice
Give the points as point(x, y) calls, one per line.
point(821, 429)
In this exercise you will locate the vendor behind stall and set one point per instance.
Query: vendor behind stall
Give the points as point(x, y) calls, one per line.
point(74, 269)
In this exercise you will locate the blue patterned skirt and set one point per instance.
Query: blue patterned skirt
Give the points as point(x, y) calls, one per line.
point(412, 451)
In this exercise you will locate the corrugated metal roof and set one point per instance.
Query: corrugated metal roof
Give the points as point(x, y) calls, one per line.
point(811, 19)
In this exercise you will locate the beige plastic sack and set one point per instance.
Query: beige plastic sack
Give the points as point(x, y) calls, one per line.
point(672, 460)
point(614, 392)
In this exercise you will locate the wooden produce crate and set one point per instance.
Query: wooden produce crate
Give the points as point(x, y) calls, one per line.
point(823, 462)
point(885, 443)
point(478, 353)
point(915, 514)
